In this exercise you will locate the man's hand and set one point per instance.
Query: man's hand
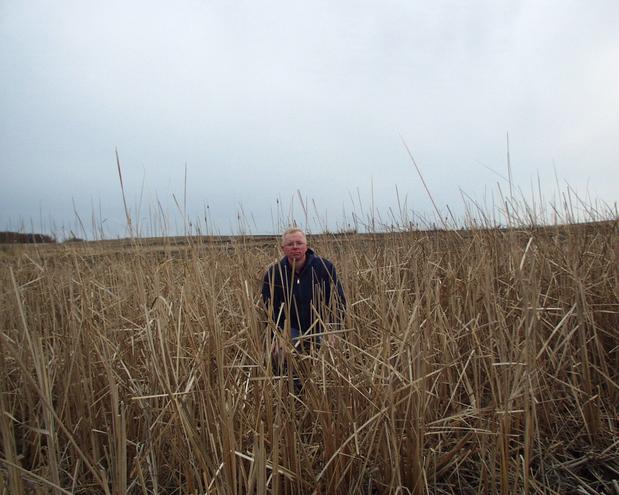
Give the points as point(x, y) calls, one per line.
point(276, 350)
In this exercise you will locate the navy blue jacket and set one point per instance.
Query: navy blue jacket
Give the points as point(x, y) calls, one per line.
point(306, 298)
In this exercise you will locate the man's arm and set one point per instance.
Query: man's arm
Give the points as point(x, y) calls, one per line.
point(340, 291)
point(272, 297)
point(340, 297)
point(266, 287)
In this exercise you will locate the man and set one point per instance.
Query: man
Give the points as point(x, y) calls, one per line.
point(302, 293)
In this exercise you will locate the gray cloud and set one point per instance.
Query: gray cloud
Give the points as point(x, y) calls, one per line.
point(263, 99)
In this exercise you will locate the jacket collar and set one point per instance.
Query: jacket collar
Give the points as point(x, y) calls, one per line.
point(309, 258)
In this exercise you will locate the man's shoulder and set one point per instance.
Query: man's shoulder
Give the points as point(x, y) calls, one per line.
point(276, 267)
point(318, 262)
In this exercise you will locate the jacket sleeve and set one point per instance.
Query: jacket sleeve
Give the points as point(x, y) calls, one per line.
point(266, 287)
point(271, 297)
point(340, 301)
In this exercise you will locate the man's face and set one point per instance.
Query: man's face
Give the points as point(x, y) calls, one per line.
point(294, 247)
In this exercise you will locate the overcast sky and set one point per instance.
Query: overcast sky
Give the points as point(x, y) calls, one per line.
point(265, 102)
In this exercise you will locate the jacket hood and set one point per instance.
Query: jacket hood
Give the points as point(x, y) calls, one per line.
point(309, 258)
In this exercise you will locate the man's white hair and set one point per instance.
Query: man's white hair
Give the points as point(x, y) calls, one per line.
point(292, 230)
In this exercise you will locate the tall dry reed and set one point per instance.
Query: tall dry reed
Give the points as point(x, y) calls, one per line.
point(479, 361)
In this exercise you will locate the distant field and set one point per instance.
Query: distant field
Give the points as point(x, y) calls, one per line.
point(482, 361)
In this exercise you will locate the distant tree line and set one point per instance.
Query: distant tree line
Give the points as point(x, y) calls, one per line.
point(24, 238)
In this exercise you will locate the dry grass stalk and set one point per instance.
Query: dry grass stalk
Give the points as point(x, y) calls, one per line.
point(481, 362)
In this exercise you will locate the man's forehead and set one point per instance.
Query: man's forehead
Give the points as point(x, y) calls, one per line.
point(295, 236)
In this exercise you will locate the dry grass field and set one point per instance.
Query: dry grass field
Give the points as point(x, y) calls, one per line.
point(480, 361)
